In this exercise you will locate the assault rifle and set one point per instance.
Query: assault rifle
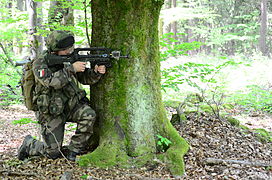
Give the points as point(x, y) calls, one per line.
point(93, 56)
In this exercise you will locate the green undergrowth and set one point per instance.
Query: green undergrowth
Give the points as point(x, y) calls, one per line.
point(24, 121)
point(254, 98)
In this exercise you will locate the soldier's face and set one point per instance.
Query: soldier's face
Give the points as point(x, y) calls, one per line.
point(66, 51)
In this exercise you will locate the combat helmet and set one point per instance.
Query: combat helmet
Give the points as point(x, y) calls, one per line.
point(59, 40)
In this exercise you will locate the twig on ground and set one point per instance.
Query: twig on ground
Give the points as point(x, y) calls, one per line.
point(8, 173)
point(211, 161)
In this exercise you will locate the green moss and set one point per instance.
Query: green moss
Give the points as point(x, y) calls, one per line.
point(104, 156)
point(244, 127)
point(140, 161)
point(110, 156)
point(263, 134)
point(233, 121)
point(228, 106)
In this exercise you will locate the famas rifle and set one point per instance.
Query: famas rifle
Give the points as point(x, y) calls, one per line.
point(93, 56)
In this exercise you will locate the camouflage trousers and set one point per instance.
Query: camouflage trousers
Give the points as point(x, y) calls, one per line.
point(52, 130)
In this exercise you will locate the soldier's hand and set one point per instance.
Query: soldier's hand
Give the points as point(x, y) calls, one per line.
point(79, 66)
point(100, 69)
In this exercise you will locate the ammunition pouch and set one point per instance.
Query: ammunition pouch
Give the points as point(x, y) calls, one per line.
point(56, 106)
point(43, 103)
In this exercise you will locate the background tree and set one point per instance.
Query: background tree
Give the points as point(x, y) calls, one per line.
point(60, 13)
point(263, 27)
point(35, 41)
point(128, 99)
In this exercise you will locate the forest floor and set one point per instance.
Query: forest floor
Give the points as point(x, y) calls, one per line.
point(207, 136)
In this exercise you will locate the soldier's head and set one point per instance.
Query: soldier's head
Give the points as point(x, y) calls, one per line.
point(60, 41)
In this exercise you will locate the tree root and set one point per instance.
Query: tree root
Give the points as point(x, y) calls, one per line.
point(173, 157)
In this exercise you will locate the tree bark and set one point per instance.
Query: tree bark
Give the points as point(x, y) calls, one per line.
point(263, 28)
point(39, 23)
point(175, 25)
point(33, 42)
point(169, 26)
point(58, 14)
point(21, 5)
point(128, 99)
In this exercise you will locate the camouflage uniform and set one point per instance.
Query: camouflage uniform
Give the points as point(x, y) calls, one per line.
point(59, 100)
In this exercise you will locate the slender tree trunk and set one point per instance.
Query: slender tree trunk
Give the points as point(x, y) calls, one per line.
point(33, 42)
point(68, 16)
point(39, 24)
point(175, 24)
point(59, 14)
point(21, 5)
point(128, 99)
point(169, 26)
point(263, 28)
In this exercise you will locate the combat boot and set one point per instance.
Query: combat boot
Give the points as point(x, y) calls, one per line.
point(23, 150)
point(71, 156)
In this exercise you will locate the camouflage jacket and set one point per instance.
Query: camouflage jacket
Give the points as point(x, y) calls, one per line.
point(57, 89)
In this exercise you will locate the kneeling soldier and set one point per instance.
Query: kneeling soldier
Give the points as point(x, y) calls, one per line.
point(60, 100)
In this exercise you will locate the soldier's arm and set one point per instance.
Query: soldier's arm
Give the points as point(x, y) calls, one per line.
point(47, 78)
point(88, 77)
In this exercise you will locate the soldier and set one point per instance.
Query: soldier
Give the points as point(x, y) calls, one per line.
point(60, 100)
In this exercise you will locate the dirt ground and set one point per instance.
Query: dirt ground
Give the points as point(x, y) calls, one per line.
point(208, 138)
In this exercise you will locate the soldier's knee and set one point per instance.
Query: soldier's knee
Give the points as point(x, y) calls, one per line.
point(90, 114)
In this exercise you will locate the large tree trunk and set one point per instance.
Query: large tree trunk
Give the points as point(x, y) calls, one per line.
point(128, 98)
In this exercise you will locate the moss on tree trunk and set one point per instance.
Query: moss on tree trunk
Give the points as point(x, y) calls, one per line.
point(128, 98)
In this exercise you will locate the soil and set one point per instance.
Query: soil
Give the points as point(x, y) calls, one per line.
point(207, 136)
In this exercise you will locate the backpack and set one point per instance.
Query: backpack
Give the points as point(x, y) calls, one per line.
point(28, 86)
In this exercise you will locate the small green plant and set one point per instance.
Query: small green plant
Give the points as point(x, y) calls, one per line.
point(163, 143)
point(263, 134)
point(254, 98)
point(13, 163)
point(23, 121)
point(233, 121)
point(84, 176)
